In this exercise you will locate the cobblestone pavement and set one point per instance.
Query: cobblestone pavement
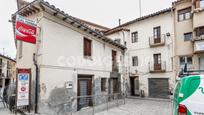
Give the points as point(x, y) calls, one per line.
point(141, 107)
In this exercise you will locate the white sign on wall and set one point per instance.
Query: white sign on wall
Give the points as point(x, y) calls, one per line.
point(23, 87)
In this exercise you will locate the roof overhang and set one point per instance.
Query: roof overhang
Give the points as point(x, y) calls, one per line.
point(40, 5)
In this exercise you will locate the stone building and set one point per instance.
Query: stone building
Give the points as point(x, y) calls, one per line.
point(7, 70)
point(189, 34)
point(149, 53)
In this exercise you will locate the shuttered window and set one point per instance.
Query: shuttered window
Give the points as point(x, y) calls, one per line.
point(87, 47)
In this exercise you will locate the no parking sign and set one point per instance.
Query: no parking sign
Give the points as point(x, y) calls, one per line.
point(23, 87)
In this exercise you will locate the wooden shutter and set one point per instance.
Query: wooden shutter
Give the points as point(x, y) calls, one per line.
point(87, 47)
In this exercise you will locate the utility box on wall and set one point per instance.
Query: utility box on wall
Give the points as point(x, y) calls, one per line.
point(69, 85)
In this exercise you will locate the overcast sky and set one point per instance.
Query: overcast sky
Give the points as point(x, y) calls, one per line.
point(103, 12)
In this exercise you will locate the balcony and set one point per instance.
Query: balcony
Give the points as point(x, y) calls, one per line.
point(154, 42)
point(199, 45)
point(198, 17)
point(157, 68)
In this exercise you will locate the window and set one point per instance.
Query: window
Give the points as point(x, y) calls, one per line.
point(103, 84)
point(188, 36)
point(134, 37)
point(200, 31)
point(184, 14)
point(87, 47)
point(186, 59)
point(157, 32)
point(157, 58)
point(135, 61)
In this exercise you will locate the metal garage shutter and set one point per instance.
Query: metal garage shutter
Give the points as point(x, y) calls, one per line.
point(158, 88)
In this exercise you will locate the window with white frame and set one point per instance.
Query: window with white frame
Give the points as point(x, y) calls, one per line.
point(186, 60)
point(134, 37)
point(184, 14)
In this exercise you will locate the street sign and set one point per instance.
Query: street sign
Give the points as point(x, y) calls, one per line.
point(25, 30)
point(23, 87)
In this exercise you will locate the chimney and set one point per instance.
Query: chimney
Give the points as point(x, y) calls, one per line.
point(119, 21)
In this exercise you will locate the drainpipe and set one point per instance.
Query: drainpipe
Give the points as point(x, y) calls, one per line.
point(36, 82)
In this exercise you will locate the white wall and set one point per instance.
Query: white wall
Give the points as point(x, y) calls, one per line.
point(143, 50)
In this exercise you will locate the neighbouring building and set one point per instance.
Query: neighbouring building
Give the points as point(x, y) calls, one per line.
point(149, 55)
point(189, 35)
point(7, 70)
point(73, 60)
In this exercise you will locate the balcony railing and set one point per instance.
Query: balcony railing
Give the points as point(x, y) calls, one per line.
point(157, 67)
point(198, 38)
point(154, 42)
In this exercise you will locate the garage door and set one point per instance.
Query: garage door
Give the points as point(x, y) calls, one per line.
point(158, 88)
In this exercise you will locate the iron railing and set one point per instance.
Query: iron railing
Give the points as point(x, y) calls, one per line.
point(153, 42)
point(197, 38)
point(160, 67)
point(89, 105)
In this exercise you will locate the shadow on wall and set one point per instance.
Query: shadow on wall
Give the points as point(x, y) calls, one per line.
point(59, 102)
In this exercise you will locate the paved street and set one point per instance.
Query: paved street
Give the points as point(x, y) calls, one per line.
point(132, 107)
point(140, 107)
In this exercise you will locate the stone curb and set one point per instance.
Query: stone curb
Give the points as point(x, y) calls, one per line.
point(151, 99)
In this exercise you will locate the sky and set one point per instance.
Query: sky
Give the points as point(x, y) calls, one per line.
point(102, 12)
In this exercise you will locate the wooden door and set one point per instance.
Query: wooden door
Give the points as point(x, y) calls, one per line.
point(115, 85)
point(84, 90)
point(132, 85)
point(157, 61)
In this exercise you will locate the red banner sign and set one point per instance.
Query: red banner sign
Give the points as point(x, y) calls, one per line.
point(25, 31)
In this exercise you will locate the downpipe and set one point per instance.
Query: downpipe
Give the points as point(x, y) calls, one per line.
point(36, 82)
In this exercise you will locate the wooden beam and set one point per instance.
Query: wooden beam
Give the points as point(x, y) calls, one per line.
point(41, 6)
point(55, 13)
point(72, 22)
point(31, 9)
point(65, 18)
